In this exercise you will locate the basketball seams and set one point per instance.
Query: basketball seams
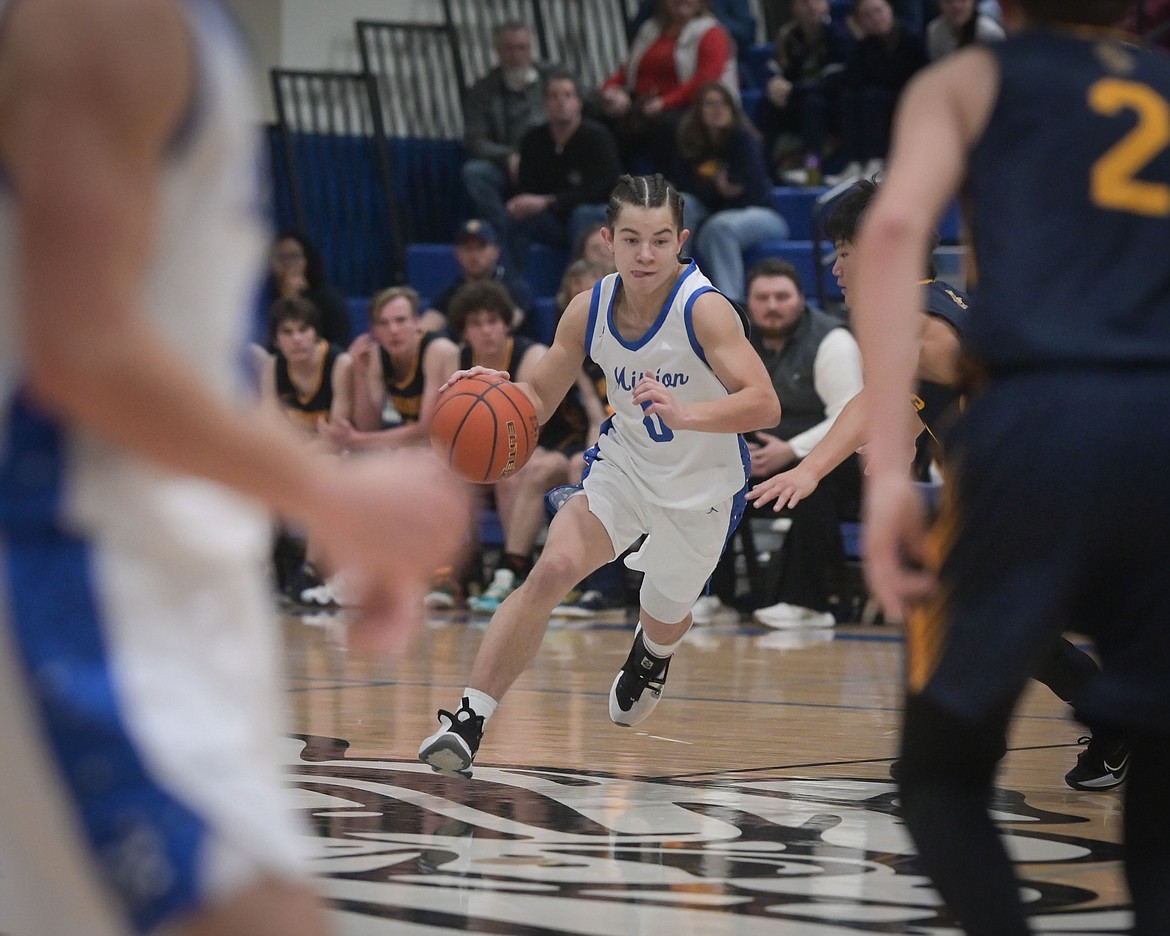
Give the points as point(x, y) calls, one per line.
point(485, 447)
point(519, 418)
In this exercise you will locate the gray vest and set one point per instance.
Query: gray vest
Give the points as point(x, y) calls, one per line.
point(791, 370)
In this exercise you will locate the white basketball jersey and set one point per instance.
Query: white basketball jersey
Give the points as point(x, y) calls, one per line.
point(167, 614)
point(211, 234)
point(681, 469)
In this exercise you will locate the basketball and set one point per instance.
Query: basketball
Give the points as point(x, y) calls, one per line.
point(484, 428)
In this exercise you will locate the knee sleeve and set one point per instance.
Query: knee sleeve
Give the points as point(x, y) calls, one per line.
point(661, 608)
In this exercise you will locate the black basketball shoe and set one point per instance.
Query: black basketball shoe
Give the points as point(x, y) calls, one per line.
point(638, 685)
point(451, 749)
point(1100, 766)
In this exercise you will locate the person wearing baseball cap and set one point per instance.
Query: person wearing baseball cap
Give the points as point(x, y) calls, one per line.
point(477, 250)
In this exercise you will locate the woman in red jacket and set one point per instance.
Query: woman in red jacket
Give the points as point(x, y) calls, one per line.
point(671, 57)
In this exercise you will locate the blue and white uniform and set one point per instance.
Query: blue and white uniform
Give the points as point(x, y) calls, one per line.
point(684, 489)
point(139, 660)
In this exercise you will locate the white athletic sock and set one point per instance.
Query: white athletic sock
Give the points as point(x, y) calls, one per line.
point(480, 702)
point(660, 650)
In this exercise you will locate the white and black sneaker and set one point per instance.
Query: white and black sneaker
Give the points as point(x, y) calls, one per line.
point(451, 749)
point(1100, 766)
point(638, 685)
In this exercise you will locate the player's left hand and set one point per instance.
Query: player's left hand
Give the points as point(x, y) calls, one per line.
point(386, 522)
point(656, 400)
point(894, 534)
point(787, 489)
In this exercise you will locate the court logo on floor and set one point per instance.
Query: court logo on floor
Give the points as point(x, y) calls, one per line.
point(546, 851)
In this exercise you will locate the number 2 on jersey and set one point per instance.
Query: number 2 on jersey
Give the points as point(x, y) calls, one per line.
point(1113, 179)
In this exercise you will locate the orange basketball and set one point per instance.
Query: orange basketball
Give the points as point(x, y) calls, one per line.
point(484, 428)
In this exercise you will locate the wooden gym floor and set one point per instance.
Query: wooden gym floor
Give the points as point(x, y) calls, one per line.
point(756, 798)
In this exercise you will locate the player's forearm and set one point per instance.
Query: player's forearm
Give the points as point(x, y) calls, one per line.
point(744, 410)
point(887, 326)
point(844, 437)
point(129, 388)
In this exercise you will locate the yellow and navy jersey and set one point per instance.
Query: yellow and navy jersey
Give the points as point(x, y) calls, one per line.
point(308, 409)
point(1069, 194)
point(406, 394)
point(567, 430)
point(937, 405)
point(518, 347)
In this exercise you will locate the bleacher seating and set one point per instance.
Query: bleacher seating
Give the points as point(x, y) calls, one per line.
point(431, 268)
point(358, 309)
point(795, 205)
point(376, 185)
point(758, 63)
point(329, 136)
point(950, 229)
point(416, 78)
point(544, 314)
point(749, 99)
point(800, 253)
point(546, 266)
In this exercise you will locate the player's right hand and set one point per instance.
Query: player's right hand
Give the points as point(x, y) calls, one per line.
point(386, 522)
point(788, 488)
point(476, 371)
point(895, 543)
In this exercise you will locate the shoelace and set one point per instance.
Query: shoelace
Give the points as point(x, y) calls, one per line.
point(643, 680)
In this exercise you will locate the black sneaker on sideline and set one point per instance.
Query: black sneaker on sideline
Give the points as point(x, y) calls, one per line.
point(303, 579)
point(1100, 766)
point(451, 749)
point(638, 685)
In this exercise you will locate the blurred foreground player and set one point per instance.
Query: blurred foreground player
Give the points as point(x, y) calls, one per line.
point(1056, 515)
point(139, 784)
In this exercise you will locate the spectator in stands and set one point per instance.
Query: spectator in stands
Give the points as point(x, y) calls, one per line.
point(497, 112)
point(568, 167)
point(398, 369)
point(477, 250)
point(876, 71)
point(959, 24)
point(673, 54)
point(728, 193)
point(735, 16)
point(591, 246)
point(296, 270)
point(308, 381)
point(801, 104)
point(815, 367)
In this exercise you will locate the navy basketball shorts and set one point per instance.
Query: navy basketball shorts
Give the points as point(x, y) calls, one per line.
point(1056, 518)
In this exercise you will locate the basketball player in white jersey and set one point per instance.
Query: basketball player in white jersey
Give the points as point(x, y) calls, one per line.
point(140, 785)
point(683, 382)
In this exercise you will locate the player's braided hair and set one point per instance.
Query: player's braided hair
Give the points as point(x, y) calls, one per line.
point(644, 192)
